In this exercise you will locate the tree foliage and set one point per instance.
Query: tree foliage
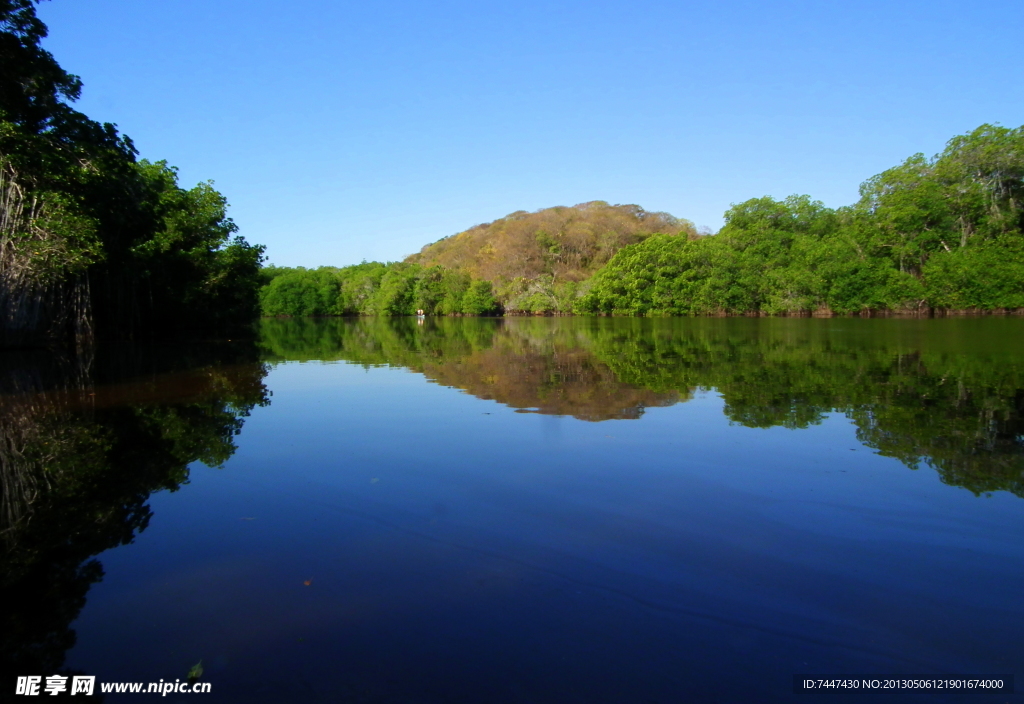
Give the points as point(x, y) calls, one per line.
point(92, 240)
point(939, 233)
point(372, 288)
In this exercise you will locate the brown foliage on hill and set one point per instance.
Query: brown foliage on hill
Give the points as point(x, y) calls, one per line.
point(564, 243)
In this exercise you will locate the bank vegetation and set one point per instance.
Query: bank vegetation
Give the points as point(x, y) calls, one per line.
point(932, 236)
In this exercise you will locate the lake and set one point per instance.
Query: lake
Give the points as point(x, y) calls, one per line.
point(521, 510)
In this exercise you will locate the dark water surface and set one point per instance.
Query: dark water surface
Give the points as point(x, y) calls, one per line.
point(521, 510)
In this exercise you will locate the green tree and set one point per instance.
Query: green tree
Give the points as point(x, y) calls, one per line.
point(91, 240)
point(479, 299)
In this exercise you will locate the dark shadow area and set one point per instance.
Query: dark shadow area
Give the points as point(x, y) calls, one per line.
point(83, 445)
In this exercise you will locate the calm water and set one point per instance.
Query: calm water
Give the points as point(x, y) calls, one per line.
point(527, 510)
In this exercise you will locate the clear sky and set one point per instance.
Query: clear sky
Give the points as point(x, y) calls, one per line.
point(342, 131)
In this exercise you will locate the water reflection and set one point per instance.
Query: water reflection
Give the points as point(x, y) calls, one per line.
point(948, 394)
point(83, 444)
point(370, 524)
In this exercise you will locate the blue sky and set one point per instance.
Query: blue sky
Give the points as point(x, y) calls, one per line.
point(342, 131)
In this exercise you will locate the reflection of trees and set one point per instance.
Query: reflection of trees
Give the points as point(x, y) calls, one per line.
point(79, 456)
point(524, 363)
point(946, 393)
point(974, 440)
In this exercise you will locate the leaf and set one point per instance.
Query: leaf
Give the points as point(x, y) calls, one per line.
point(196, 672)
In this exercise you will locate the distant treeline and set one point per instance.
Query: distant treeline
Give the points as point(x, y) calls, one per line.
point(931, 235)
point(941, 233)
point(373, 288)
point(522, 263)
point(92, 241)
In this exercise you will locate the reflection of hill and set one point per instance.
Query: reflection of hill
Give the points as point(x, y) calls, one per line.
point(553, 382)
point(523, 363)
point(79, 458)
point(948, 393)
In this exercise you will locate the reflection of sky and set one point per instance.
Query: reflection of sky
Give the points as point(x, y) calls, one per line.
point(456, 547)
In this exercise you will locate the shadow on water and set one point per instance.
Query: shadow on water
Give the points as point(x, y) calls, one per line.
point(82, 447)
point(947, 394)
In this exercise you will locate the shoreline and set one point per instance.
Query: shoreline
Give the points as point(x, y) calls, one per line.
point(925, 313)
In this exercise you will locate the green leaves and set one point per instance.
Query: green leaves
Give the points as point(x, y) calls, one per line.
point(944, 232)
point(93, 236)
point(372, 288)
point(33, 85)
point(196, 671)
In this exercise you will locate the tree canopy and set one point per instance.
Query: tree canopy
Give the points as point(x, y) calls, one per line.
point(375, 289)
point(93, 241)
point(940, 233)
point(536, 260)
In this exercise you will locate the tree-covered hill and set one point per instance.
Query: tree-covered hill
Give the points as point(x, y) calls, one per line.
point(524, 262)
point(930, 236)
point(535, 259)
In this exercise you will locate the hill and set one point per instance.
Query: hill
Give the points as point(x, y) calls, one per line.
point(931, 236)
point(524, 263)
point(563, 244)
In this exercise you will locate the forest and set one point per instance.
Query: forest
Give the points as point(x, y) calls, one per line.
point(94, 242)
point(929, 236)
point(932, 234)
point(372, 288)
